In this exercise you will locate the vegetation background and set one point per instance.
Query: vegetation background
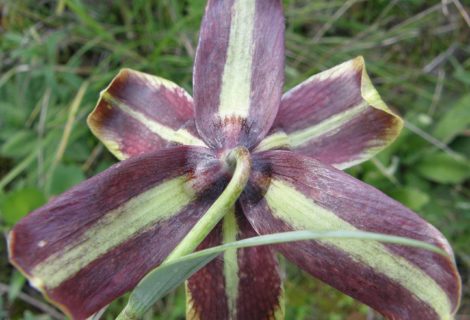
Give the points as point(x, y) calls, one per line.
point(56, 56)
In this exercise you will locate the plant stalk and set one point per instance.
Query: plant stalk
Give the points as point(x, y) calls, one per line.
point(240, 158)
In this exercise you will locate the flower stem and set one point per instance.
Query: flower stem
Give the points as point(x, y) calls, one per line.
point(240, 158)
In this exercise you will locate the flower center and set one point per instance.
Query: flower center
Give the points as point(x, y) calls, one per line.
point(231, 157)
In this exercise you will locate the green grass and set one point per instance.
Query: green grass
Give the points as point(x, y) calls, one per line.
point(417, 53)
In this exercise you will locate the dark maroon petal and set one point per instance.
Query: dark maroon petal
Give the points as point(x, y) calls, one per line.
point(336, 116)
point(93, 243)
point(243, 284)
point(238, 72)
point(140, 113)
point(289, 192)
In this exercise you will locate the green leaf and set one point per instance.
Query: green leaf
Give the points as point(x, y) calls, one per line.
point(411, 197)
point(455, 121)
point(17, 282)
point(18, 203)
point(19, 144)
point(443, 168)
point(13, 116)
point(171, 274)
point(462, 145)
point(65, 177)
point(462, 75)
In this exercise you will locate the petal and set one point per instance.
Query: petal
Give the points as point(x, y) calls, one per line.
point(293, 192)
point(93, 243)
point(336, 116)
point(243, 284)
point(238, 72)
point(140, 113)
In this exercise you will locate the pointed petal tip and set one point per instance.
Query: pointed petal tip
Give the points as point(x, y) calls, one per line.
point(336, 116)
point(139, 113)
point(94, 121)
point(371, 95)
point(369, 92)
point(80, 277)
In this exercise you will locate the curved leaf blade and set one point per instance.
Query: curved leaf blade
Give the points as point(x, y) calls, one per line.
point(160, 281)
point(239, 284)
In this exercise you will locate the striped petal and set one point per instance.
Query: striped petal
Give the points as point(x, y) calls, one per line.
point(336, 116)
point(293, 192)
point(93, 243)
point(244, 284)
point(238, 72)
point(140, 113)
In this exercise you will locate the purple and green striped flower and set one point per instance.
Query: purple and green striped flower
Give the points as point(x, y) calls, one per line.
point(238, 159)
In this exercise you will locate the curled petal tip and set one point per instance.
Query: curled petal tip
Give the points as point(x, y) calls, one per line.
point(336, 116)
point(139, 113)
point(304, 194)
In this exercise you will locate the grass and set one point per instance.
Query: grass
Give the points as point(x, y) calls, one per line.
point(55, 57)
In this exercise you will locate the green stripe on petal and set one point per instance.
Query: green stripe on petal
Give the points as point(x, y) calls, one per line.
point(96, 241)
point(179, 136)
point(117, 226)
point(238, 72)
point(329, 126)
point(236, 78)
point(229, 232)
point(289, 192)
point(336, 116)
point(301, 213)
point(139, 113)
point(240, 284)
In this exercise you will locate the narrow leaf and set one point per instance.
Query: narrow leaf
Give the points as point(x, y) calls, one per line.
point(170, 275)
point(240, 284)
point(454, 121)
point(443, 168)
point(18, 203)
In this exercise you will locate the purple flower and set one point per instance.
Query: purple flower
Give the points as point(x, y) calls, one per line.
point(283, 155)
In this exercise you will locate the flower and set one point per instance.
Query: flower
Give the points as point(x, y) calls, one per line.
point(283, 153)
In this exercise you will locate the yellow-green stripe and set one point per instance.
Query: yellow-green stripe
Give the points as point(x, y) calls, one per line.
point(327, 127)
point(276, 140)
point(230, 230)
point(113, 229)
point(301, 212)
point(180, 136)
point(304, 136)
point(234, 99)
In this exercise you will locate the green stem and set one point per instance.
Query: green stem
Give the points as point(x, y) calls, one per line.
point(17, 170)
point(240, 158)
